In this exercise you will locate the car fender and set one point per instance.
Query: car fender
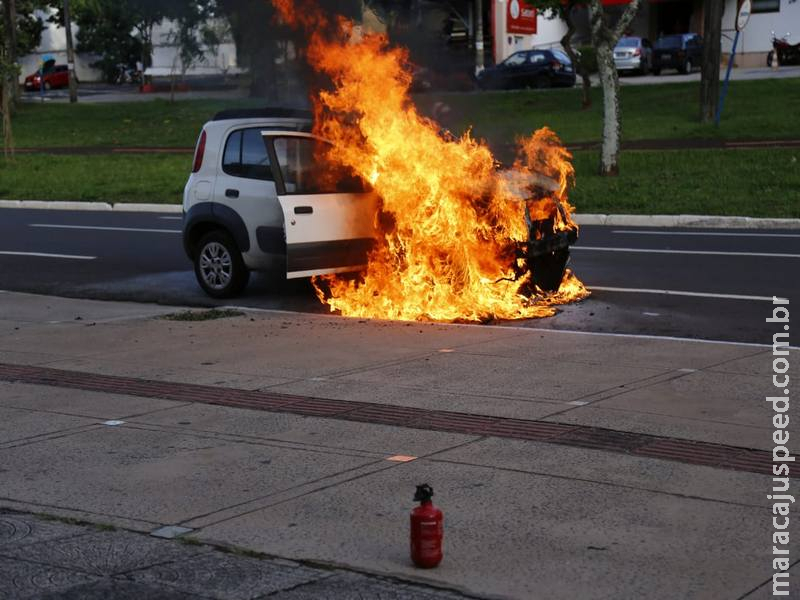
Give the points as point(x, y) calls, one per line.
point(213, 213)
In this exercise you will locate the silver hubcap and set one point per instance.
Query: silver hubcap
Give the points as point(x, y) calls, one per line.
point(216, 266)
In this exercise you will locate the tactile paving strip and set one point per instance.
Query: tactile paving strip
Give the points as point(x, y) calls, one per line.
point(595, 438)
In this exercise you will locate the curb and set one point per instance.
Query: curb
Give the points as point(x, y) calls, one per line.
point(707, 221)
point(99, 206)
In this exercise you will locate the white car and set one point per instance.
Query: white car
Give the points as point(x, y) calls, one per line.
point(260, 198)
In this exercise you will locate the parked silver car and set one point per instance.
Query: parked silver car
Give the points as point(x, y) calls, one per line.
point(633, 55)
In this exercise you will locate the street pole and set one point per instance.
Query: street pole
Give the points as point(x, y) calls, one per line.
point(724, 93)
point(73, 87)
point(478, 36)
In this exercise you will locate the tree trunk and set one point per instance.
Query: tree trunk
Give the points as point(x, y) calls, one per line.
point(709, 77)
point(609, 81)
point(579, 67)
point(10, 9)
point(5, 109)
point(604, 38)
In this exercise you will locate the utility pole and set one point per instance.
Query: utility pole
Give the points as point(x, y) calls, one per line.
point(478, 36)
point(73, 84)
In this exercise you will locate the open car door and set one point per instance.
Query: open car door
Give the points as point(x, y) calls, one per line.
point(329, 215)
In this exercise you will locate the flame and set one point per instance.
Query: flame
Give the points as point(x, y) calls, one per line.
point(450, 220)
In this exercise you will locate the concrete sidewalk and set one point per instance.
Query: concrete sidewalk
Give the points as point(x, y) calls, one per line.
point(592, 513)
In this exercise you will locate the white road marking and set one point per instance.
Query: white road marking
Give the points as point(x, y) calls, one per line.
point(679, 293)
point(703, 233)
point(46, 255)
point(695, 252)
point(98, 228)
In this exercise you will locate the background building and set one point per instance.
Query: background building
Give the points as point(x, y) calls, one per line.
point(165, 57)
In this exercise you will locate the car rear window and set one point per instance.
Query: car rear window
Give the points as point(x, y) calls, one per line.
point(671, 41)
point(628, 42)
point(246, 155)
point(562, 57)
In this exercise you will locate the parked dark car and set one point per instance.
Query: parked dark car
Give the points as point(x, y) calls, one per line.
point(529, 68)
point(683, 51)
point(55, 76)
point(633, 55)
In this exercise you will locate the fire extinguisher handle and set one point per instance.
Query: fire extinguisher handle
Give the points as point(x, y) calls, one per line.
point(424, 493)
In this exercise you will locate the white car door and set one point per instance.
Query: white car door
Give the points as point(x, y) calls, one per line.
point(330, 218)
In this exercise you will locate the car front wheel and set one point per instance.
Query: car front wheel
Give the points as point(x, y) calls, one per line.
point(687, 66)
point(219, 267)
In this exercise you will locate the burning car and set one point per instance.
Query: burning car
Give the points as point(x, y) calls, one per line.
point(262, 196)
point(436, 229)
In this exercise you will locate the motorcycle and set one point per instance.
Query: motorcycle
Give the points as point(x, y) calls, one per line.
point(788, 54)
point(127, 74)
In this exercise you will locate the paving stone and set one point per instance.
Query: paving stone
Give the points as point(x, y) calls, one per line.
point(104, 553)
point(118, 589)
point(227, 576)
point(20, 580)
point(351, 586)
point(17, 529)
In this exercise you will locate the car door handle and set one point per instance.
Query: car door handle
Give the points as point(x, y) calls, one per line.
point(303, 210)
point(232, 193)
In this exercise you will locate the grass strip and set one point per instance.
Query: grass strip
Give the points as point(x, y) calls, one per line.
point(747, 182)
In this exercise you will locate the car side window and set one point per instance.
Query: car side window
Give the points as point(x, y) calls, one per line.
point(537, 57)
point(246, 155)
point(515, 60)
point(305, 170)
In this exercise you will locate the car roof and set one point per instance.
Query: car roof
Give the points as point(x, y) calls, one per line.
point(263, 113)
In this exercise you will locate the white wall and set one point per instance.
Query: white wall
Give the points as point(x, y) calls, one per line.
point(54, 43)
point(756, 35)
point(548, 33)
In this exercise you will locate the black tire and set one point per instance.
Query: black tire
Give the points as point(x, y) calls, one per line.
point(47, 86)
point(687, 67)
point(218, 265)
point(656, 71)
point(548, 270)
point(770, 57)
point(542, 82)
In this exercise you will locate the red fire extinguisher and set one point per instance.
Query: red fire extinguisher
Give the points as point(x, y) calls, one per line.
point(427, 530)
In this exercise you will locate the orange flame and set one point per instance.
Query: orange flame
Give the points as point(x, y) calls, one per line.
point(450, 218)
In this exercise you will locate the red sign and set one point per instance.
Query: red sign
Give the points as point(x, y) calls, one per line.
point(520, 17)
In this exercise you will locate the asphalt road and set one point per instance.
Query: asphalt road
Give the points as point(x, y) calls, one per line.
point(724, 278)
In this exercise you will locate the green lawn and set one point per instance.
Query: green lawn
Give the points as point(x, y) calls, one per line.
point(754, 109)
point(108, 178)
point(767, 108)
point(753, 183)
point(756, 183)
point(151, 123)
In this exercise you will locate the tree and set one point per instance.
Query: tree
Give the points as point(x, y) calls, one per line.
point(712, 51)
point(193, 33)
point(553, 9)
point(20, 33)
point(604, 38)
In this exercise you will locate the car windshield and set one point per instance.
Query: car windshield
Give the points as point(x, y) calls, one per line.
point(671, 41)
point(628, 43)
